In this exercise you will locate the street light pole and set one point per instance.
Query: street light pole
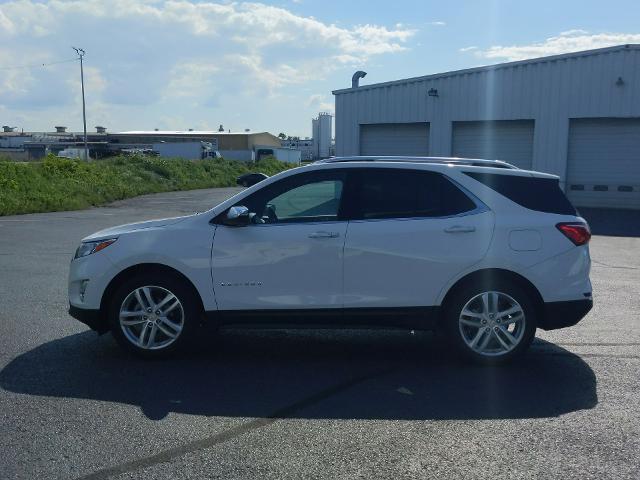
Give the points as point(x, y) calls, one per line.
point(80, 53)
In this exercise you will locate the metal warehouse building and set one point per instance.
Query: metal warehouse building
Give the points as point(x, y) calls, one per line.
point(575, 115)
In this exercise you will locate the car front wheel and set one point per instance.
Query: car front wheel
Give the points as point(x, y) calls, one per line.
point(153, 317)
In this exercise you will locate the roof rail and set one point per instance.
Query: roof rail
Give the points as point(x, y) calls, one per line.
point(472, 162)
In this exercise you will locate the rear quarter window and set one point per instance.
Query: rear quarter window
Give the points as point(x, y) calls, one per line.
point(540, 194)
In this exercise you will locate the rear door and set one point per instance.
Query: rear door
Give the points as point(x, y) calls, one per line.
point(412, 231)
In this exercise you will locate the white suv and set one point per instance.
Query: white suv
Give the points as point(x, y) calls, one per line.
point(479, 249)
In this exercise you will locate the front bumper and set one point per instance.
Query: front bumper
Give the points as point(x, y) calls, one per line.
point(564, 314)
point(94, 319)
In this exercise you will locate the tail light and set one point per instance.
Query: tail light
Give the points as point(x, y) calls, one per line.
point(578, 233)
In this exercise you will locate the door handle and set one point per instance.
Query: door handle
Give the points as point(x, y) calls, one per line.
point(324, 235)
point(460, 229)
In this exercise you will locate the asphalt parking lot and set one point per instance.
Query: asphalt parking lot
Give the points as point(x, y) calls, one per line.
point(314, 404)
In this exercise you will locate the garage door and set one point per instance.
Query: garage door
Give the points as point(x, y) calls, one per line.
point(603, 167)
point(508, 140)
point(394, 139)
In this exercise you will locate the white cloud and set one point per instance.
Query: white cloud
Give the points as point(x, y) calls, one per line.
point(438, 23)
point(315, 99)
point(148, 57)
point(326, 107)
point(565, 42)
point(94, 79)
point(321, 103)
point(273, 79)
point(469, 49)
point(189, 79)
point(254, 24)
point(6, 25)
point(575, 31)
point(37, 86)
point(250, 35)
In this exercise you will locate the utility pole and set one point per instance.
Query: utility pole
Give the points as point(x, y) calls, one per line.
point(80, 53)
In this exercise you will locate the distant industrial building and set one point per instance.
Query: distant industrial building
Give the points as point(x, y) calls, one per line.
point(242, 146)
point(321, 128)
point(12, 146)
point(187, 150)
point(320, 145)
point(305, 145)
point(27, 146)
point(575, 115)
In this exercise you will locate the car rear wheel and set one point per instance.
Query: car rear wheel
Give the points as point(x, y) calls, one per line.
point(153, 317)
point(491, 323)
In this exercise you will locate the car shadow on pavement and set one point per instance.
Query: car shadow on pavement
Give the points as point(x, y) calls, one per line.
point(309, 374)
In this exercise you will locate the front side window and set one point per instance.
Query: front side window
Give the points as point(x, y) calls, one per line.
point(313, 197)
point(310, 202)
point(403, 193)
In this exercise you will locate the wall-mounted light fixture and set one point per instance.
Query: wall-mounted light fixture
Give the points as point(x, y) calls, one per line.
point(620, 82)
point(433, 92)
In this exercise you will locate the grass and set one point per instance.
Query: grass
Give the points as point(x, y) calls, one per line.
point(57, 184)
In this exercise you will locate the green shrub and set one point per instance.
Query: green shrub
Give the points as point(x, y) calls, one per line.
point(64, 184)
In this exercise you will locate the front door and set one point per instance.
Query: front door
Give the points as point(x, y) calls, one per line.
point(290, 256)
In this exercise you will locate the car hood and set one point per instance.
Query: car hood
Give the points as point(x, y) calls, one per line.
point(131, 227)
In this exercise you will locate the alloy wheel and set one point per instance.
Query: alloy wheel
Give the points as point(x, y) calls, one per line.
point(151, 317)
point(492, 323)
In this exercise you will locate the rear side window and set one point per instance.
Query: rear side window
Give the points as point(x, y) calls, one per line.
point(541, 194)
point(396, 193)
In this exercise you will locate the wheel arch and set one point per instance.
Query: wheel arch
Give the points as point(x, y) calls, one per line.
point(487, 275)
point(141, 268)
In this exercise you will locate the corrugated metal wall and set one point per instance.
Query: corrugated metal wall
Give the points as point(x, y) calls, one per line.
point(410, 139)
point(508, 140)
point(549, 92)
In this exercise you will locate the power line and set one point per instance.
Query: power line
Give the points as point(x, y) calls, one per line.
point(39, 65)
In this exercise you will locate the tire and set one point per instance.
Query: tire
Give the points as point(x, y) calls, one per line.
point(166, 333)
point(490, 323)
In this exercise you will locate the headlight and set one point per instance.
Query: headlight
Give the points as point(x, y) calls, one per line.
point(87, 248)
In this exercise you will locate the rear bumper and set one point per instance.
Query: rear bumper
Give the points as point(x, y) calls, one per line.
point(564, 314)
point(92, 318)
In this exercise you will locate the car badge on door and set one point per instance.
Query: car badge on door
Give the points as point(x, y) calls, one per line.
point(241, 284)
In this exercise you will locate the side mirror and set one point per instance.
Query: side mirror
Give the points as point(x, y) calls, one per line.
point(250, 179)
point(237, 217)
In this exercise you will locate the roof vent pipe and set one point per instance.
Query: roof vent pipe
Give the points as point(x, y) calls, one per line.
point(355, 80)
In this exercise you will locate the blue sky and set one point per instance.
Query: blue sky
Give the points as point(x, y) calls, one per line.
point(263, 65)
